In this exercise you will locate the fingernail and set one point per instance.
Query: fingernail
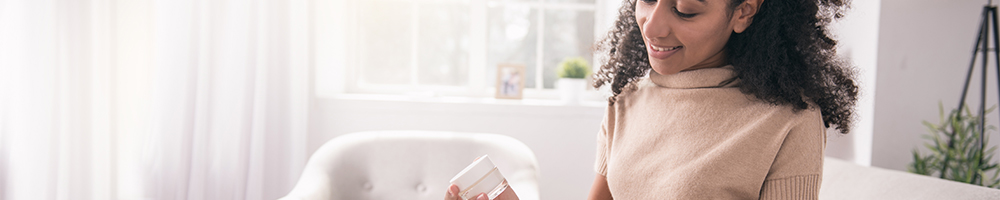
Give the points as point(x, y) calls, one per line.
point(482, 197)
point(453, 189)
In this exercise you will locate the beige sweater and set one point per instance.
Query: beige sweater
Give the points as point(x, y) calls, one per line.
point(684, 136)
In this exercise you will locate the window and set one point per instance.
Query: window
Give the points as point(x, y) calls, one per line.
point(452, 47)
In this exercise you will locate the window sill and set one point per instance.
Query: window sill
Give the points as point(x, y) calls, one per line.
point(588, 103)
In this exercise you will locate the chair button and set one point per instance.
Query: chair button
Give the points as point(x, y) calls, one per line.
point(367, 186)
point(421, 187)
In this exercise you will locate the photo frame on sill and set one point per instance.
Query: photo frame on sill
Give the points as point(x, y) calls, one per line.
point(510, 81)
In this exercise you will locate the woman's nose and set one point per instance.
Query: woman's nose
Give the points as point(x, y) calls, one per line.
point(658, 21)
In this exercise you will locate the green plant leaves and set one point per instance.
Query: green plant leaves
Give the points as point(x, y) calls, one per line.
point(574, 67)
point(956, 155)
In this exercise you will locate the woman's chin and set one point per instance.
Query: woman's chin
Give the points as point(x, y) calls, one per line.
point(664, 70)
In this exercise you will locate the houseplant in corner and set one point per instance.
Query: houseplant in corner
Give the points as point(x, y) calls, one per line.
point(572, 81)
point(954, 146)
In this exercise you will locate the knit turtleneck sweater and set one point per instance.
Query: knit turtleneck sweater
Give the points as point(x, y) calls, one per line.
point(694, 135)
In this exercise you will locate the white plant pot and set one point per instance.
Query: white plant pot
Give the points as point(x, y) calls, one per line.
point(571, 89)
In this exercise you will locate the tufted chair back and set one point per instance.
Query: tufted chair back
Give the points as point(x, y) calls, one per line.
point(409, 165)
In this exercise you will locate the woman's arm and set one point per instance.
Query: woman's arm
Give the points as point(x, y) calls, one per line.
point(600, 189)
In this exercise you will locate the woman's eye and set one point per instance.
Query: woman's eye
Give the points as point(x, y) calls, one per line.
point(683, 15)
point(648, 1)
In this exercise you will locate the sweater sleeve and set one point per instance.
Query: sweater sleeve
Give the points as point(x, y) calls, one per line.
point(604, 141)
point(798, 166)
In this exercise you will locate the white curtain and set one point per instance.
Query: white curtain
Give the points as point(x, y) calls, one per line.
point(153, 99)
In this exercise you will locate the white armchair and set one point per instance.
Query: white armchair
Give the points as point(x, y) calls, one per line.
point(409, 165)
point(846, 180)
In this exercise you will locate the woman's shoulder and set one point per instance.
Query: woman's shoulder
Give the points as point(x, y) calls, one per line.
point(788, 110)
point(755, 111)
point(627, 95)
point(725, 102)
point(810, 117)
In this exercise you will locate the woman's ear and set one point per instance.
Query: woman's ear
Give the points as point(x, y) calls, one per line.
point(743, 14)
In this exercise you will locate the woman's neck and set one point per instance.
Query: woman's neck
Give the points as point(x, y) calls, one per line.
point(715, 61)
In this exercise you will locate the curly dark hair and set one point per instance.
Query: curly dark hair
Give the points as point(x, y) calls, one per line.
point(785, 57)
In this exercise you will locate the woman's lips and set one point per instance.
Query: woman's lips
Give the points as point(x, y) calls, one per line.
point(662, 52)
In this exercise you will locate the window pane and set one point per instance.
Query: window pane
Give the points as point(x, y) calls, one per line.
point(512, 39)
point(568, 33)
point(386, 45)
point(515, 0)
point(444, 44)
point(571, 1)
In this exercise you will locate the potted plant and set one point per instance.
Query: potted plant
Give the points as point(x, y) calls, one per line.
point(572, 81)
point(955, 150)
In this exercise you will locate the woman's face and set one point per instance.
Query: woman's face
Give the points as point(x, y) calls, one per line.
point(687, 34)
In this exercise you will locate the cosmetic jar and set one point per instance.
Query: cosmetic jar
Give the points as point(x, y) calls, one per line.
point(480, 177)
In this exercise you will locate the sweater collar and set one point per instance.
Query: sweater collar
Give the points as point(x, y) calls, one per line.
point(699, 78)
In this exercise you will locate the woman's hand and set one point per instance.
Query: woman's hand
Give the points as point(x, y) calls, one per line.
point(507, 194)
point(452, 193)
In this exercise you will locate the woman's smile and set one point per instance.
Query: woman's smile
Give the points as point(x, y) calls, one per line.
point(662, 52)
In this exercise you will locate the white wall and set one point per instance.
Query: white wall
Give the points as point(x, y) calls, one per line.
point(858, 35)
point(923, 54)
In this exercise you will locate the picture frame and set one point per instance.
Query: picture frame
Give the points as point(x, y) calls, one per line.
point(510, 81)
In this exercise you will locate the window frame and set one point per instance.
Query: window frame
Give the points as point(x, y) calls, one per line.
point(478, 52)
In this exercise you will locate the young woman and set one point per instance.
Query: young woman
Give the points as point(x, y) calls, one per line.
point(719, 99)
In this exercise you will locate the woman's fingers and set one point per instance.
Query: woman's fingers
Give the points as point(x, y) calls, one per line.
point(452, 193)
point(453, 189)
point(507, 194)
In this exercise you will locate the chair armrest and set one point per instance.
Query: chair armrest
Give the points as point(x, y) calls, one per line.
point(314, 184)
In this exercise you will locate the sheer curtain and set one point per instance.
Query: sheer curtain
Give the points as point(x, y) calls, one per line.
point(153, 99)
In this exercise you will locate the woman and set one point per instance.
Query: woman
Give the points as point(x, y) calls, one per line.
point(719, 99)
